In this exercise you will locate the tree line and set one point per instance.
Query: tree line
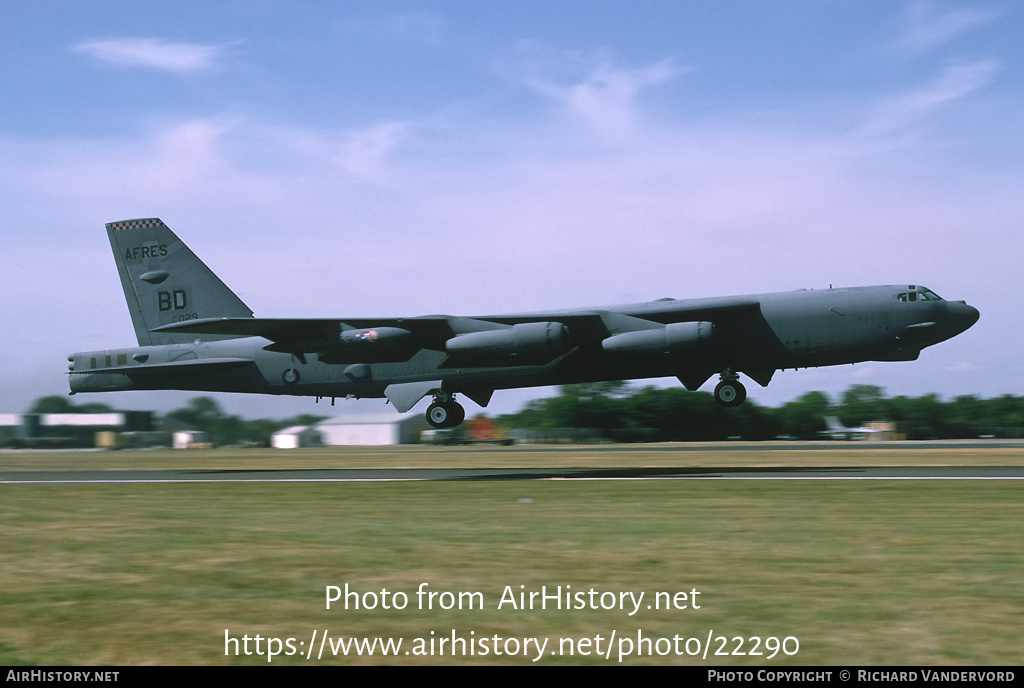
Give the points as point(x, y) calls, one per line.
point(617, 412)
point(200, 413)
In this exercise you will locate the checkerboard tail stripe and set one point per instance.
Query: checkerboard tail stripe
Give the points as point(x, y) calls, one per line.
point(135, 224)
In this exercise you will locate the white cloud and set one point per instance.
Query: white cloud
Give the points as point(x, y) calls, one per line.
point(365, 152)
point(607, 99)
point(930, 27)
point(153, 53)
point(606, 96)
point(953, 83)
point(171, 162)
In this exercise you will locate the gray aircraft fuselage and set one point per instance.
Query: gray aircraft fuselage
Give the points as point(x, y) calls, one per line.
point(197, 335)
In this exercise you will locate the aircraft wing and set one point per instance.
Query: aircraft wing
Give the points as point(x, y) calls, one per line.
point(370, 340)
point(740, 331)
point(356, 340)
point(432, 330)
point(663, 311)
point(281, 329)
point(601, 322)
point(715, 310)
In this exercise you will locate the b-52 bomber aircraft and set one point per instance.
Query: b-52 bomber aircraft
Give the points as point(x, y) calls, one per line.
point(195, 334)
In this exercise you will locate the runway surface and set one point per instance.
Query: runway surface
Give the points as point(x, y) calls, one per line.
point(507, 454)
point(499, 474)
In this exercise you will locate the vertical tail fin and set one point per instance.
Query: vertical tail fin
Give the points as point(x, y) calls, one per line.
point(164, 282)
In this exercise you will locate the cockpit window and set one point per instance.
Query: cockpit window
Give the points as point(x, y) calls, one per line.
point(923, 295)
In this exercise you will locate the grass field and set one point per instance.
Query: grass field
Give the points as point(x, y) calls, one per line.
point(858, 572)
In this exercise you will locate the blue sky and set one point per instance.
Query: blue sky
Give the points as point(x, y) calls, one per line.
point(402, 158)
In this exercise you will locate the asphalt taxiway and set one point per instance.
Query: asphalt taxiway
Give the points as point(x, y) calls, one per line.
point(502, 474)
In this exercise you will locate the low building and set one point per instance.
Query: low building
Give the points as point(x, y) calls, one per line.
point(375, 429)
point(885, 431)
point(9, 424)
point(77, 429)
point(296, 437)
point(191, 439)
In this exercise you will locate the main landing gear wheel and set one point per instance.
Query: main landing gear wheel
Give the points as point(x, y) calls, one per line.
point(730, 393)
point(445, 414)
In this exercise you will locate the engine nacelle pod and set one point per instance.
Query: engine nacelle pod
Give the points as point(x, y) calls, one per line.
point(524, 343)
point(382, 336)
point(674, 339)
point(366, 345)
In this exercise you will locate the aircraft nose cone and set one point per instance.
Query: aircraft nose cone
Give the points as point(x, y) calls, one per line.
point(963, 316)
